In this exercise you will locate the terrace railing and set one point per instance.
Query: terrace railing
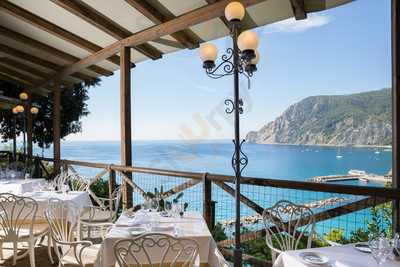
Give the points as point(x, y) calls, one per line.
point(348, 209)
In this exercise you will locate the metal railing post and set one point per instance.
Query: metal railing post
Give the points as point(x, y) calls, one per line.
point(207, 206)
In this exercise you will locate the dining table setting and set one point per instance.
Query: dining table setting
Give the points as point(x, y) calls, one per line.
point(379, 251)
point(132, 224)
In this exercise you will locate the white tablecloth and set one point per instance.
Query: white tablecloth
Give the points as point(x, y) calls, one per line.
point(80, 198)
point(19, 186)
point(192, 226)
point(340, 256)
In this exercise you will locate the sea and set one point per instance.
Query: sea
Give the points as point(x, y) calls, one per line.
point(290, 162)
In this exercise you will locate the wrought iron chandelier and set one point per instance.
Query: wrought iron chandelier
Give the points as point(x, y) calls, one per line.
point(241, 59)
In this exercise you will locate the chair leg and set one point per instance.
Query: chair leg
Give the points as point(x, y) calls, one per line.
point(32, 253)
point(15, 252)
point(49, 248)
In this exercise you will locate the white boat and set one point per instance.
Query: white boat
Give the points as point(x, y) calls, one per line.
point(357, 172)
point(377, 152)
point(363, 179)
point(339, 156)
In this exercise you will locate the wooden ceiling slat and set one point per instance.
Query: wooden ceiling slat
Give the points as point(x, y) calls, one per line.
point(16, 64)
point(51, 28)
point(97, 19)
point(184, 21)
point(39, 61)
point(222, 18)
point(158, 15)
point(18, 75)
point(48, 49)
point(299, 10)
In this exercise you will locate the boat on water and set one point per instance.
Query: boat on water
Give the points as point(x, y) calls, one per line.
point(339, 156)
point(363, 179)
point(357, 172)
point(377, 152)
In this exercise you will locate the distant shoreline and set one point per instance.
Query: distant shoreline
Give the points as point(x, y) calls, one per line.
point(326, 145)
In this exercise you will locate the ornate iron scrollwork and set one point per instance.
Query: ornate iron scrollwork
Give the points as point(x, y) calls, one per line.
point(243, 159)
point(230, 106)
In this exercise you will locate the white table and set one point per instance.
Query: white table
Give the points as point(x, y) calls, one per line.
point(340, 256)
point(19, 186)
point(192, 226)
point(80, 198)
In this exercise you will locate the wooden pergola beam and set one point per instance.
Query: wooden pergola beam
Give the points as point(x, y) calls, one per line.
point(48, 49)
point(186, 37)
point(14, 63)
point(299, 10)
point(95, 18)
point(182, 22)
point(17, 75)
point(51, 28)
point(39, 61)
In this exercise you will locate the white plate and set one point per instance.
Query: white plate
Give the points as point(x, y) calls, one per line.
point(137, 230)
point(315, 258)
point(362, 247)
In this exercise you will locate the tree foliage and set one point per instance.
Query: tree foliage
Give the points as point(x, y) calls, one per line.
point(73, 108)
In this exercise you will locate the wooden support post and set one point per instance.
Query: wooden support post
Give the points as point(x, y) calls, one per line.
point(396, 110)
point(56, 128)
point(29, 124)
point(207, 204)
point(126, 133)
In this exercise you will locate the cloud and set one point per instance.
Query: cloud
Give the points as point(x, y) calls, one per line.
point(292, 25)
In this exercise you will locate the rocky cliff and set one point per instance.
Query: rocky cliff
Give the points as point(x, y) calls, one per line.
point(357, 119)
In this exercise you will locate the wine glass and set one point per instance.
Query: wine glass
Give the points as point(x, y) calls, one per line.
point(380, 248)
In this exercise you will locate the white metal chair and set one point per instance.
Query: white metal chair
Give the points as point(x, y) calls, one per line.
point(286, 224)
point(101, 216)
point(63, 218)
point(156, 250)
point(60, 180)
point(18, 224)
point(76, 182)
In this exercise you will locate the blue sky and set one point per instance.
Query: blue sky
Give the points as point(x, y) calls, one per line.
point(340, 51)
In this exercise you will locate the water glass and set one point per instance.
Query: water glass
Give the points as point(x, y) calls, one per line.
point(381, 248)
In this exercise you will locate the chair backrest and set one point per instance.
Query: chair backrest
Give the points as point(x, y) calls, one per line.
point(77, 183)
point(62, 218)
point(60, 180)
point(286, 224)
point(17, 216)
point(156, 250)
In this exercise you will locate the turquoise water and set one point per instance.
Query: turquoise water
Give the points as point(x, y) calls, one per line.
point(266, 161)
point(269, 161)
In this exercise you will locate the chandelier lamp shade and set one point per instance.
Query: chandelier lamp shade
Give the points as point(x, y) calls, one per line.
point(20, 108)
point(23, 96)
point(34, 110)
point(234, 11)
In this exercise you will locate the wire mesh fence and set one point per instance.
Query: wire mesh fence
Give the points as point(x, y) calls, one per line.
point(338, 215)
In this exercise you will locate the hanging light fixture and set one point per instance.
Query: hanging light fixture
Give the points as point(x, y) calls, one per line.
point(19, 108)
point(242, 58)
point(34, 110)
point(23, 96)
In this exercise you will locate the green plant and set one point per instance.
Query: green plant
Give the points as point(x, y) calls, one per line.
point(218, 232)
point(165, 204)
point(336, 235)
